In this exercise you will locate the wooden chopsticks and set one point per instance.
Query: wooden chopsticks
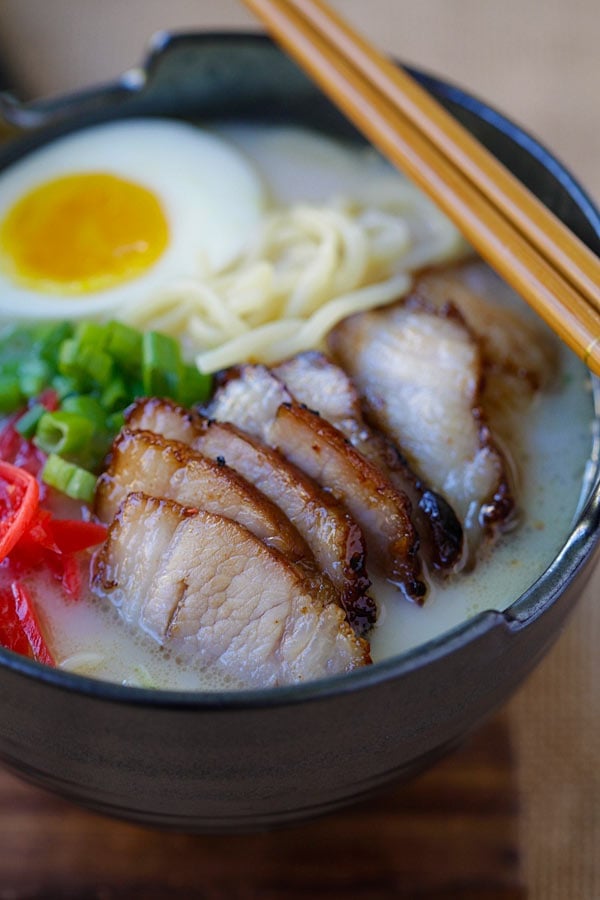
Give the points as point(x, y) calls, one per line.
point(505, 223)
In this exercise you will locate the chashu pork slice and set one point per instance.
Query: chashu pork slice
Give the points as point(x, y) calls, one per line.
point(258, 402)
point(419, 372)
point(317, 382)
point(163, 417)
point(217, 596)
point(382, 512)
point(333, 536)
point(331, 533)
point(249, 399)
point(146, 462)
point(514, 342)
point(519, 352)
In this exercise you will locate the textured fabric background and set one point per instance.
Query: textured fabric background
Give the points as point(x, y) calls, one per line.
point(538, 61)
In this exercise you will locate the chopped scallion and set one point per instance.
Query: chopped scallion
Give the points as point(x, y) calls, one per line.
point(125, 346)
point(69, 479)
point(115, 395)
point(95, 371)
point(49, 338)
point(91, 334)
point(28, 422)
point(64, 386)
point(35, 375)
point(161, 363)
point(85, 364)
point(63, 432)
point(10, 392)
point(87, 407)
point(115, 421)
point(194, 386)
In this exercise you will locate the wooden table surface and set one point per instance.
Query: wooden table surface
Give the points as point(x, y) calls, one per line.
point(450, 835)
point(514, 813)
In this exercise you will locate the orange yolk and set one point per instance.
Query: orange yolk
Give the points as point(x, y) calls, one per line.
point(83, 233)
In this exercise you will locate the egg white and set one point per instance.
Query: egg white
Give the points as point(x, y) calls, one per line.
point(210, 194)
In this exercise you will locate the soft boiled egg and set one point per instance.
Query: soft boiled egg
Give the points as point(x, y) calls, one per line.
point(104, 217)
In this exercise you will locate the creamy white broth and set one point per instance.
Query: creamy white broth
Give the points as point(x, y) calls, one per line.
point(551, 474)
point(90, 638)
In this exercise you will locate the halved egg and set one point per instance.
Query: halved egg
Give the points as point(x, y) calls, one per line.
point(106, 216)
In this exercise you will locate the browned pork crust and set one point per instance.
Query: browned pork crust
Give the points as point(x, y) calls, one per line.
point(382, 512)
point(317, 382)
point(419, 372)
point(253, 399)
point(145, 461)
point(333, 536)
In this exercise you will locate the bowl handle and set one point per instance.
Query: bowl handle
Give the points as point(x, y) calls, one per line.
point(17, 117)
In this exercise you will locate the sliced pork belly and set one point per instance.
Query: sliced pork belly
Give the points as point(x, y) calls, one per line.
point(163, 417)
point(216, 595)
point(144, 545)
point(513, 342)
point(318, 383)
point(382, 512)
point(419, 372)
point(333, 536)
point(249, 399)
point(254, 401)
point(520, 354)
point(143, 461)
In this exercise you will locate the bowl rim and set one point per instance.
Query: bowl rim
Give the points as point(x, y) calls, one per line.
point(581, 545)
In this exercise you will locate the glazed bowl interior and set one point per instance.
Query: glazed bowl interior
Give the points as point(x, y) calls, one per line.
point(205, 77)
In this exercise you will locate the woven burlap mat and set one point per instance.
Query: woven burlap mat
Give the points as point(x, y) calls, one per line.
point(555, 726)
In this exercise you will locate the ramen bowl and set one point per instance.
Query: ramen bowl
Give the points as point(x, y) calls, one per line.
point(243, 760)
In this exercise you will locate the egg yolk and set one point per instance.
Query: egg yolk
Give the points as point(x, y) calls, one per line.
point(83, 233)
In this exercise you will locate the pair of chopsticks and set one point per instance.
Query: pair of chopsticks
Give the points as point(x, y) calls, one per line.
point(510, 228)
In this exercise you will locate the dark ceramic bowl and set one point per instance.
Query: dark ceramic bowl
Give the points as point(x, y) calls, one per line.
point(239, 761)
